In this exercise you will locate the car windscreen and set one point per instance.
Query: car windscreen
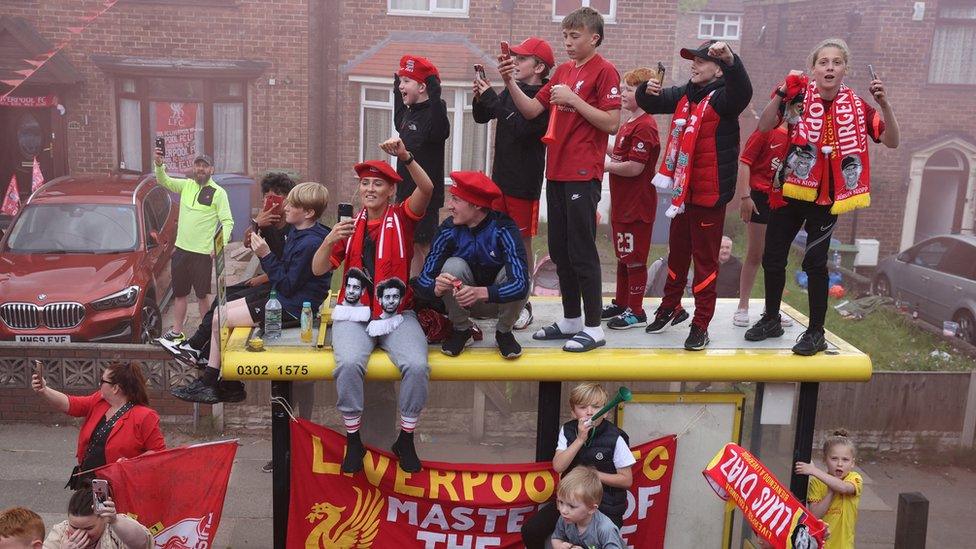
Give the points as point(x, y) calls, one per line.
point(74, 228)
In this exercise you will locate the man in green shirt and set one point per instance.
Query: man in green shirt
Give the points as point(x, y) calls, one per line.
point(202, 206)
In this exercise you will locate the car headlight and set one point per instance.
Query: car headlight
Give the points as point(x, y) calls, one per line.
point(121, 298)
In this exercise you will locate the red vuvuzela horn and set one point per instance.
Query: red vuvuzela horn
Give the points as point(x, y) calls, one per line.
point(550, 136)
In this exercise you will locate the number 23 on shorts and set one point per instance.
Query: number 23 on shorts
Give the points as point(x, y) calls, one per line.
point(625, 242)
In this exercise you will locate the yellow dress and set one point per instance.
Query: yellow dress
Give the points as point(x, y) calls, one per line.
point(842, 513)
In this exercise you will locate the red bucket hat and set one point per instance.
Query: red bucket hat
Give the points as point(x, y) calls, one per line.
point(377, 168)
point(475, 187)
point(417, 68)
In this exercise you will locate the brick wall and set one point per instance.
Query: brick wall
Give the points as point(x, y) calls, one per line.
point(278, 125)
point(883, 34)
point(76, 369)
point(686, 36)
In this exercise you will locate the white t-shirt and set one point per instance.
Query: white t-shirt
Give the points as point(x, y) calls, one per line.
point(622, 456)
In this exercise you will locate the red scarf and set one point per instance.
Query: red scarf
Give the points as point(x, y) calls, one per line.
point(837, 140)
point(680, 150)
point(392, 260)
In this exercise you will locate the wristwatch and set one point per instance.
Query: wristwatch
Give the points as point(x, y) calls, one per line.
point(409, 159)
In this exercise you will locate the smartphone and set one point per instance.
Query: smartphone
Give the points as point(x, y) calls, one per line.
point(479, 71)
point(506, 50)
point(161, 145)
point(345, 211)
point(39, 369)
point(660, 73)
point(874, 75)
point(100, 493)
point(273, 203)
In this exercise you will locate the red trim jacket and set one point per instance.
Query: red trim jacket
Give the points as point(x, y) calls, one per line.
point(133, 434)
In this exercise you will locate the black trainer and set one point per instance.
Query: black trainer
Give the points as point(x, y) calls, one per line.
point(768, 326)
point(664, 316)
point(404, 450)
point(507, 345)
point(197, 391)
point(611, 310)
point(697, 339)
point(355, 452)
point(456, 342)
point(810, 342)
point(231, 391)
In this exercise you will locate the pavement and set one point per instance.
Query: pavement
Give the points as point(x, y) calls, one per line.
point(35, 460)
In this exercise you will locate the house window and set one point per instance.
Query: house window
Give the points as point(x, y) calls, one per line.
point(953, 43)
point(466, 149)
point(193, 116)
point(712, 26)
point(562, 8)
point(437, 8)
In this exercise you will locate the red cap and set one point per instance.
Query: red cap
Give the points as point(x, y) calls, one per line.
point(475, 187)
point(536, 47)
point(377, 168)
point(417, 68)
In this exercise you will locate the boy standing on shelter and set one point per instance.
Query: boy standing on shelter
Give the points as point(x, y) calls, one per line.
point(700, 164)
point(421, 120)
point(520, 156)
point(584, 98)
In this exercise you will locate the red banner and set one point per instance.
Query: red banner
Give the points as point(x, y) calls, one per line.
point(36, 102)
point(176, 123)
point(178, 494)
point(447, 505)
point(771, 510)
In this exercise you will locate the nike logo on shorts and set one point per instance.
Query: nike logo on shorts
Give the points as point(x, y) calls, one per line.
point(575, 196)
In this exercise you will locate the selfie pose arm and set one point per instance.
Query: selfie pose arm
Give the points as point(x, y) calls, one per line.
point(530, 107)
point(891, 136)
point(55, 398)
point(130, 532)
point(418, 200)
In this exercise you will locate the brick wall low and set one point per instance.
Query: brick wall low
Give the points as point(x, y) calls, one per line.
point(75, 370)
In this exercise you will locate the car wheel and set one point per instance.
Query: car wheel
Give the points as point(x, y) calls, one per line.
point(152, 321)
point(967, 326)
point(882, 286)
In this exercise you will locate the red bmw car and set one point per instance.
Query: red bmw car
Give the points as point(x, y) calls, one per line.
point(88, 259)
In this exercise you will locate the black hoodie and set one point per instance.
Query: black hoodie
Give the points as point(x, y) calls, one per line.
point(520, 155)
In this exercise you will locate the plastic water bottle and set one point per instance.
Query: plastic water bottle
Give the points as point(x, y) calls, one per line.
point(836, 259)
point(306, 322)
point(272, 317)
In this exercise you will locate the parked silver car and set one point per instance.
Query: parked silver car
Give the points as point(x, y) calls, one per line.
point(937, 278)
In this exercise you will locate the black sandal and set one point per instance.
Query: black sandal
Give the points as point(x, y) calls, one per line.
point(587, 342)
point(551, 332)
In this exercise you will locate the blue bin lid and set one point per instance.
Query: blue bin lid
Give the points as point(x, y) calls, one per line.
point(232, 179)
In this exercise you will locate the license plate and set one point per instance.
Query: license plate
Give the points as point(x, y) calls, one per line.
point(44, 339)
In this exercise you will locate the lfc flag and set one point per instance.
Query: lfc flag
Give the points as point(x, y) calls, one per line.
point(166, 492)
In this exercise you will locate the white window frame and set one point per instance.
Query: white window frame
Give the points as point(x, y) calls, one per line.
point(709, 18)
point(455, 114)
point(363, 105)
point(608, 18)
point(431, 11)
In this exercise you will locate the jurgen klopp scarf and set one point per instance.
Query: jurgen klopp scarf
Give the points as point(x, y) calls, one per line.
point(838, 141)
point(680, 150)
point(392, 260)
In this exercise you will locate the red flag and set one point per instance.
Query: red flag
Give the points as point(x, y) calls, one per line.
point(25, 72)
point(178, 494)
point(768, 507)
point(446, 505)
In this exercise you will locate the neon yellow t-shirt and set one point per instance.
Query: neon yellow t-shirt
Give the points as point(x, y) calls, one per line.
point(197, 222)
point(842, 513)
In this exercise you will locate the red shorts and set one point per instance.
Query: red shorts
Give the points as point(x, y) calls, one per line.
point(524, 212)
point(631, 241)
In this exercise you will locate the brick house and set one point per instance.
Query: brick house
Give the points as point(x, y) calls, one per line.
point(705, 20)
point(924, 52)
point(455, 34)
point(227, 77)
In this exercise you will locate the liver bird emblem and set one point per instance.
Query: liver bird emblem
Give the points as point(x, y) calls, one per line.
point(337, 531)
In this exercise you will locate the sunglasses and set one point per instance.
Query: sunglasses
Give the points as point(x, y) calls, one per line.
point(103, 380)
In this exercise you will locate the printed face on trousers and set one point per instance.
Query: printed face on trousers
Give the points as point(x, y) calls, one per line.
point(390, 300)
point(354, 290)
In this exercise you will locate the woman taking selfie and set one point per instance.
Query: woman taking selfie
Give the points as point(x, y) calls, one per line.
point(826, 173)
point(118, 420)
